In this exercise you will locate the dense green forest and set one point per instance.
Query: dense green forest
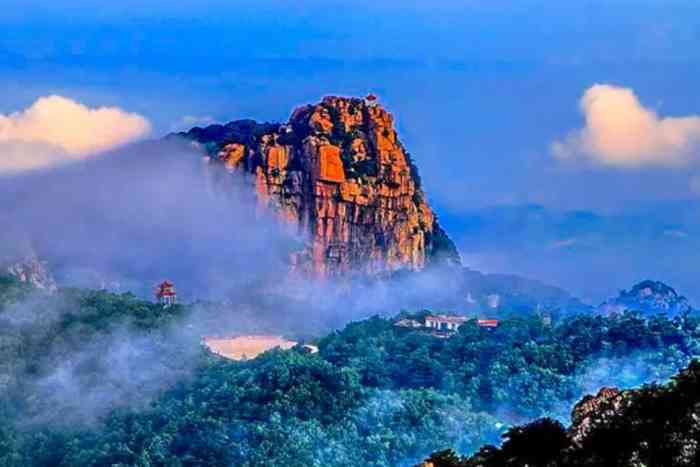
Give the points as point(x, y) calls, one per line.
point(522, 369)
point(655, 425)
point(94, 378)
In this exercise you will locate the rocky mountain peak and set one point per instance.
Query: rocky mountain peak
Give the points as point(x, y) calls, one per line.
point(338, 173)
point(649, 297)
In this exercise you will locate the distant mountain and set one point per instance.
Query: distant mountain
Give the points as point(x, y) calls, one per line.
point(650, 298)
point(337, 172)
point(507, 292)
point(469, 292)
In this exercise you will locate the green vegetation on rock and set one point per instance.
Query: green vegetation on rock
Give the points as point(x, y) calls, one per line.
point(94, 378)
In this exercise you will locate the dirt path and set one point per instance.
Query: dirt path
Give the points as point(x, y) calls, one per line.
point(245, 347)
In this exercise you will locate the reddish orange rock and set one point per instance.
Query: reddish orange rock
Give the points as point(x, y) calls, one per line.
point(277, 158)
point(321, 121)
point(232, 155)
point(338, 172)
point(330, 165)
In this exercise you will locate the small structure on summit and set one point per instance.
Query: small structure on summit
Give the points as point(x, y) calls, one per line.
point(445, 322)
point(165, 293)
point(487, 323)
point(371, 100)
point(309, 349)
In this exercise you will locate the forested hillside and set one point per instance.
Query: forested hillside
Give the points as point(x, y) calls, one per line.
point(523, 368)
point(93, 378)
point(654, 425)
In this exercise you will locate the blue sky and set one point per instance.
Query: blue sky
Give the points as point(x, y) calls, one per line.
point(480, 90)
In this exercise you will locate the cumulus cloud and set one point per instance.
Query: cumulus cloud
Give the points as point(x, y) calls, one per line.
point(56, 129)
point(621, 132)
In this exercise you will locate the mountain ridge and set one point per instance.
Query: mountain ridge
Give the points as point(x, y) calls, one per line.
point(648, 297)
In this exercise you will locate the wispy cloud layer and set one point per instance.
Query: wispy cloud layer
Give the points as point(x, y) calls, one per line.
point(56, 129)
point(189, 121)
point(620, 131)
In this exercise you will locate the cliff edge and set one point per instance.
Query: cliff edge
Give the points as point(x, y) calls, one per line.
point(337, 172)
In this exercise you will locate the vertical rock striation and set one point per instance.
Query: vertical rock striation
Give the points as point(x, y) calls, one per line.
point(338, 173)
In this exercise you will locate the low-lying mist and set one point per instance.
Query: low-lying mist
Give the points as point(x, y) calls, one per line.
point(138, 215)
point(157, 210)
point(135, 216)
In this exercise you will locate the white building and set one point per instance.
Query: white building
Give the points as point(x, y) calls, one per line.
point(444, 323)
point(371, 100)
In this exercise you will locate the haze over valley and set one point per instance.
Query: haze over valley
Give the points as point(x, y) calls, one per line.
point(362, 234)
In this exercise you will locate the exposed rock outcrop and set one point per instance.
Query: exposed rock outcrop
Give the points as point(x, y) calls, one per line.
point(652, 425)
point(33, 271)
point(648, 297)
point(338, 173)
point(595, 411)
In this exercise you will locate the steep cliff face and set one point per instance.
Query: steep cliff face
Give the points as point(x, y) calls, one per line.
point(338, 173)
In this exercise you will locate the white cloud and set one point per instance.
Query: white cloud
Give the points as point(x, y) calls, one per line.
point(621, 132)
point(193, 120)
point(563, 243)
point(56, 129)
point(675, 233)
point(189, 121)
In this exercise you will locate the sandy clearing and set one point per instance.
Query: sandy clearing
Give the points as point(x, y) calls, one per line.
point(245, 347)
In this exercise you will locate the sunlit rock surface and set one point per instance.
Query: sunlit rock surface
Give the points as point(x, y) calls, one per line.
point(336, 172)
